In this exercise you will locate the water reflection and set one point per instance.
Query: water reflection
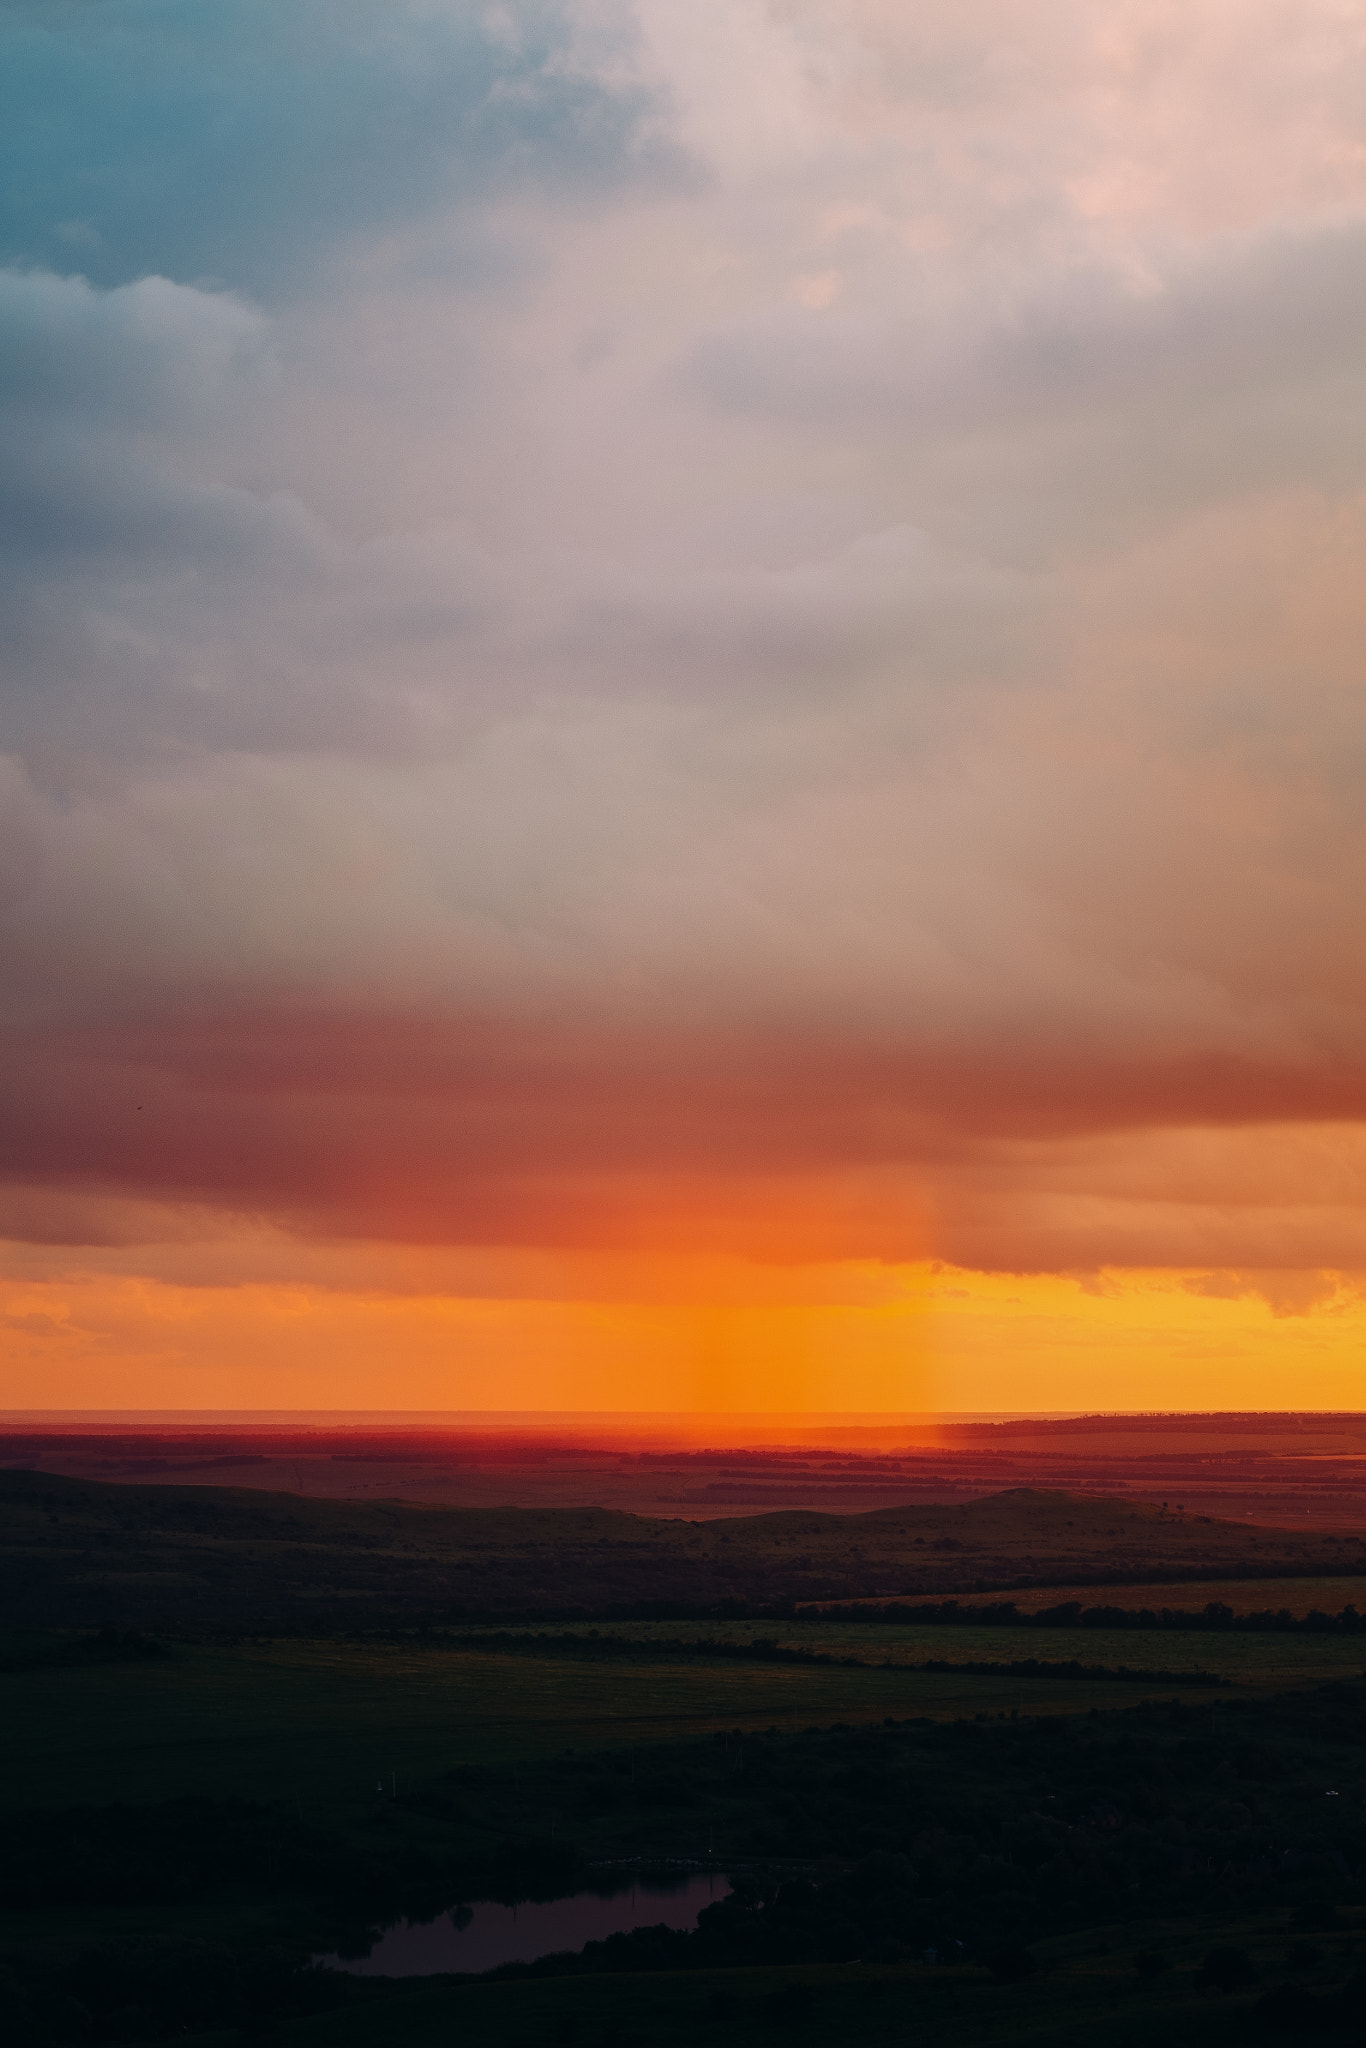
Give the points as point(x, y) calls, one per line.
point(482, 1936)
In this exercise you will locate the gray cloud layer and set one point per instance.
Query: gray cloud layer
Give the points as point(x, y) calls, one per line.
point(252, 143)
point(809, 585)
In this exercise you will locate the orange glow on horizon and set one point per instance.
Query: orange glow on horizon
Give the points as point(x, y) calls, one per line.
point(851, 1339)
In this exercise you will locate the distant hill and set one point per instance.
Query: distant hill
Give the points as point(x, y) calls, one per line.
point(1287, 1470)
point(84, 1553)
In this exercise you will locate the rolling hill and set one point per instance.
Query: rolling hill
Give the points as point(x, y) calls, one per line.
point(79, 1552)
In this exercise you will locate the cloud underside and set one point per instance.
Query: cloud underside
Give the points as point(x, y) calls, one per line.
point(512, 1134)
point(657, 627)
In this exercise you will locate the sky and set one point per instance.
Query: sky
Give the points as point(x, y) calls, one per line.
point(682, 718)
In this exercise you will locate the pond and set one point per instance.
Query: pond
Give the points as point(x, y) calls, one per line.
point(482, 1936)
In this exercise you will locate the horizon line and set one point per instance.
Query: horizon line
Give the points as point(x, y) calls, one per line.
point(589, 1417)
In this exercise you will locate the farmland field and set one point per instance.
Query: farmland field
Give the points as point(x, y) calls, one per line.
point(326, 1720)
point(1251, 1661)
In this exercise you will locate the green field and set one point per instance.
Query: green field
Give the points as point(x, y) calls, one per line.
point(319, 1721)
point(325, 1721)
point(1249, 1660)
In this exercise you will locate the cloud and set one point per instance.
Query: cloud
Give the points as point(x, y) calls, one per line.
point(237, 140)
point(1091, 406)
point(609, 746)
point(150, 355)
point(1285, 1294)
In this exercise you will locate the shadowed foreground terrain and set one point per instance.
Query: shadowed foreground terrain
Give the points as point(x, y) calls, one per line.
point(1160, 1868)
point(78, 1551)
point(245, 1730)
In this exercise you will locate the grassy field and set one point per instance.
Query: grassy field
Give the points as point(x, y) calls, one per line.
point(326, 1721)
point(1251, 1661)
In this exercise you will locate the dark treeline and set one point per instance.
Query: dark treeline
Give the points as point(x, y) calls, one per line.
point(1071, 1614)
point(764, 1650)
point(946, 1613)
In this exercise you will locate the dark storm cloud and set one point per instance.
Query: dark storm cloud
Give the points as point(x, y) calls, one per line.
point(247, 141)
